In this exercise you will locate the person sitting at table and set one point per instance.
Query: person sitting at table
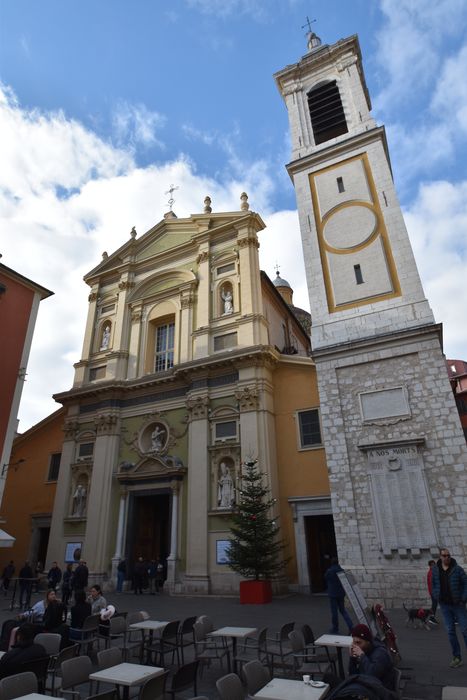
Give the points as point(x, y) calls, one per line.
point(370, 657)
point(80, 610)
point(97, 600)
point(22, 651)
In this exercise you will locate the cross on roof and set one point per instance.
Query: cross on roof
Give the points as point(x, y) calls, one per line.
point(308, 23)
point(170, 191)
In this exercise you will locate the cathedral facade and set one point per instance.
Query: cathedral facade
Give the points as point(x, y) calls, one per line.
point(192, 362)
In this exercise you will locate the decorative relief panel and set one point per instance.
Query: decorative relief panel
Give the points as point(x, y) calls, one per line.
point(197, 407)
point(248, 398)
point(385, 406)
point(401, 502)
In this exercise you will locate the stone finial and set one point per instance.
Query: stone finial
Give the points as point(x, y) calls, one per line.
point(133, 233)
point(207, 205)
point(313, 41)
point(105, 255)
point(244, 202)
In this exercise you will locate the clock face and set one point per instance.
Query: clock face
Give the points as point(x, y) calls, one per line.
point(350, 226)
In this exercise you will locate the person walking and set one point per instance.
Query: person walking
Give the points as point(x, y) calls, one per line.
point(25, 585)
point(54, 576)
point(80, 581)
point(139, 574)
point(429, 584)
point(336, 595)
point(121, 575)
point(67, 584)
point(450, 591)
point(7, 575)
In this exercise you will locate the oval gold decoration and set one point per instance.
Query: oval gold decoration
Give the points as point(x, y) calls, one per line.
point(350, 226)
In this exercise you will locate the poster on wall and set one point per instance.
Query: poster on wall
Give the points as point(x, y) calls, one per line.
point(73, 552)
point(357, 601)
point(222, 551)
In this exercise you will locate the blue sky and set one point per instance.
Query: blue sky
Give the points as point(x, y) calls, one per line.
point(104, 104)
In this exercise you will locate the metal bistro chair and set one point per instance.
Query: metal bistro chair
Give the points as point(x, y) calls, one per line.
point(88, 634)
point(50, 641)
point(108, 695)
point(134, 638)
point(185, 635)
point(255, 675)
point(253, 648)
point(54, 676)
point(154, 688)
point(116, 630)
point(230, 687)
point(166, 643)
point(40, 669)
point(301, 657)
point(320, 654)
point(185, 677)
point(206, 651)
point(75, 672)
point(18, 685)
point(107, 658)
point(279, 648)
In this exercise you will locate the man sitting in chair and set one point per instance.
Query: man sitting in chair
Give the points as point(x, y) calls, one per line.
point(370, 657)
point(21, 652)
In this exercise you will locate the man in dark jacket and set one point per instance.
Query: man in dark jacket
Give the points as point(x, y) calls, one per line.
point(369, 656)
point(449, 582)
point(336, 596)
point(26, 576)
point(81, 576)
point(21, 652)
point(54, 576)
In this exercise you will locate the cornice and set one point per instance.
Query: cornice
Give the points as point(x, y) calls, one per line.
point(342, 149)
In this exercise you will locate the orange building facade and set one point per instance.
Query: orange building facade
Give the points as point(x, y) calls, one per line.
point(30, 490)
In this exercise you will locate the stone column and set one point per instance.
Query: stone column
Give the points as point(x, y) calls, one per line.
point(98, 545)
point(173, 556)
point(197, 577)
point(120, 536)
point(203, 309)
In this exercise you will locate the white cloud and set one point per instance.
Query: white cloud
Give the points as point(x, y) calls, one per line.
point(437, 224)
point(137, 125)
point(449, 100)
point(409, 42)
point(65, 197)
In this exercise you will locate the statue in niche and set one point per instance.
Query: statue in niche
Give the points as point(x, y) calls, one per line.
point(157, 438)
point(227, 298)
point(225, 487)
point(105, 338)
point(79, 501)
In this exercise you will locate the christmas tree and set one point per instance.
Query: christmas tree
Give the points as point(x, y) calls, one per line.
point(255, 551)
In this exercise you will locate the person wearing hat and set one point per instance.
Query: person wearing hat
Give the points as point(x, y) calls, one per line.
point(369, 656)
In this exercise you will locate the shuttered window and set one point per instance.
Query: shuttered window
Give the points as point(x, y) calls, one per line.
point(326, 112)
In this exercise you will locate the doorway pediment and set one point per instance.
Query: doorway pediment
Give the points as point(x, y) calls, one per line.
point(151, 468)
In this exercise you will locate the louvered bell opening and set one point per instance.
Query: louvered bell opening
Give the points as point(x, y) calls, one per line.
point(326, 112)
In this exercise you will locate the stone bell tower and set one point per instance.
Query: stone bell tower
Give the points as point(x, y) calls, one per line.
point(396, 454)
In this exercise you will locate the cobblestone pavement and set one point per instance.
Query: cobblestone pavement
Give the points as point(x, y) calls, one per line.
point(425, 654)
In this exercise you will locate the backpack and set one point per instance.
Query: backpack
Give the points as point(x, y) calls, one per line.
point(362, 687)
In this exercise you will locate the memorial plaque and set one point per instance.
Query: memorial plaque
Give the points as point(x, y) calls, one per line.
point(401, 502)
point(385, 403)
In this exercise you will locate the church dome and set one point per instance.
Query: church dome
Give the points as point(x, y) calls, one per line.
point(279, 282)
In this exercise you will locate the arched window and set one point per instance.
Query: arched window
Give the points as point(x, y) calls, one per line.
point(326, 112)
point(164, 344)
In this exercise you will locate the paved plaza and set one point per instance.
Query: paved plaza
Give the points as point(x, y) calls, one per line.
point(425, 654)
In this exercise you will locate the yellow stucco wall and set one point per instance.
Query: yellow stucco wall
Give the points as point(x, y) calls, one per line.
point(301, 472)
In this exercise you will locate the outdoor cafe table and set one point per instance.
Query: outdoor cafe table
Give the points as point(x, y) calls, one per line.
point(150, 626)
point(284, 689)
point(234, 633)
point(339, 641)
point(126, 675)
point(34, 696)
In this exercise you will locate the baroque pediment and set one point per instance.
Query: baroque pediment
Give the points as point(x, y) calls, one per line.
point(151, 468)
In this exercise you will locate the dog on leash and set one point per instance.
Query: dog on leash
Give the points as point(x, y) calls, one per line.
point(418, 617)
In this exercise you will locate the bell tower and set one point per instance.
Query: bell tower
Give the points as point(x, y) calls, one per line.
point(386, 404)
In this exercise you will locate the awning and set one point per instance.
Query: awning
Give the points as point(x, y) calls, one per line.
point(6, 540)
